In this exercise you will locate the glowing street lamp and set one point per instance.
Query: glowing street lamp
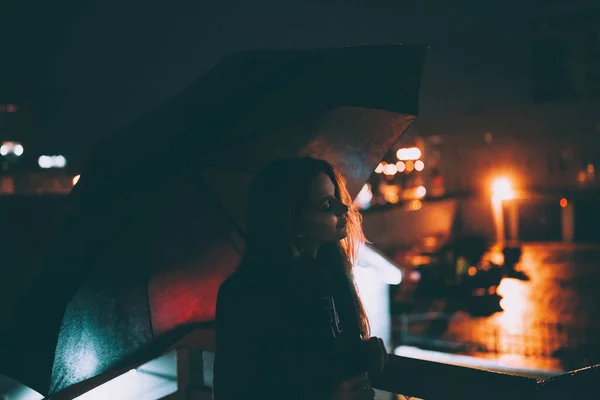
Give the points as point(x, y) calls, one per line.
point(502, 189)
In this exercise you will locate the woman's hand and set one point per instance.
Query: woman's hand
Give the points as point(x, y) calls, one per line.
point(374, 354)
point(355, 388)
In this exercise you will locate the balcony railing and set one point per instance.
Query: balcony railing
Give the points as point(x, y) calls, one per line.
point(189, 365)
point(430, 381)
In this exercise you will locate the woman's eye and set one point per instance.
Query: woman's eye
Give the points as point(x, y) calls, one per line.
point(326, 206)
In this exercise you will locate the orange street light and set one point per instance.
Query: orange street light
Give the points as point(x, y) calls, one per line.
point(502, 189)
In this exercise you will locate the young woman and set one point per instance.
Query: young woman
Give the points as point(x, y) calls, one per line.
point(290, 324)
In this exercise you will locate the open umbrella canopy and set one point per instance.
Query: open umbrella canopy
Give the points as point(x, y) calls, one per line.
point(156, 221)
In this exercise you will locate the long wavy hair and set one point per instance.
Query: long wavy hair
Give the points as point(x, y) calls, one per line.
point(277, 197)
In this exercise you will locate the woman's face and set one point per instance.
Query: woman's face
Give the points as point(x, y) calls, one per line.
point(324, 217)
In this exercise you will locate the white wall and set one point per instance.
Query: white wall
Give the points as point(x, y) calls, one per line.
point(375, 294)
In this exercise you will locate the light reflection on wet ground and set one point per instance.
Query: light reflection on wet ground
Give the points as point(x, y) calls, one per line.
point(550, 321)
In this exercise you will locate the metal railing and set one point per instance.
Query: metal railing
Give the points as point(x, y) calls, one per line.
point(430, 381)
point(403, 376)
point(434, 381)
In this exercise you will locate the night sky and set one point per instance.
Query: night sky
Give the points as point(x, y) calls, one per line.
point(89, 67)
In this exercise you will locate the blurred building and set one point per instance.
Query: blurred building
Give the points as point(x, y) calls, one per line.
point(23, 170)
point(547, 155)
point(550, 145)
point(542, 148)
point(566, 50)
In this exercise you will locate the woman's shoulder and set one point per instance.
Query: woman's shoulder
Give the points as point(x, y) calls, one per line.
point(243, 291)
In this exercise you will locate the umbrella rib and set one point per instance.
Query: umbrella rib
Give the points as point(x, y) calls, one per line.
point(220, 206)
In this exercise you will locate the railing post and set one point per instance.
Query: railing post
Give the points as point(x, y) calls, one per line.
point(194, 374)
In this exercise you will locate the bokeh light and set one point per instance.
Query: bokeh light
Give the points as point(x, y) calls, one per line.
point(411, 153)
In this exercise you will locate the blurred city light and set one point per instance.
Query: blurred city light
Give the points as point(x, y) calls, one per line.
point(421, 191)
point(414, 276)
point(59, 161)
point(419, 165)
point(390, 193)
point(52, 162)
point(411, 153)
point(390, 169)
point(410, 166)
point(391, 197)
point(76, 179)
point(414, 205)
point(400, 166)
point(45, 162)
point(380, 168)
point(15, 148)
point(496, 257)
point(564, 202)
point(502, 189)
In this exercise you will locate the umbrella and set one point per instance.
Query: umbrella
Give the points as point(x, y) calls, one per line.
point(155, 222)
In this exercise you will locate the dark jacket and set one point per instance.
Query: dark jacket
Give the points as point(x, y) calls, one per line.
point(269, 345)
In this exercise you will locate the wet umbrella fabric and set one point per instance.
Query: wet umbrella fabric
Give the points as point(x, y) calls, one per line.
point(148, 237)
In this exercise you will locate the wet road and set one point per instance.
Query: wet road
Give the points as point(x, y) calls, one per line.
point(551, 320)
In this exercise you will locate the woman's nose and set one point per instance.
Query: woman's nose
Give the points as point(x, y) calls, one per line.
point(341, 209)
